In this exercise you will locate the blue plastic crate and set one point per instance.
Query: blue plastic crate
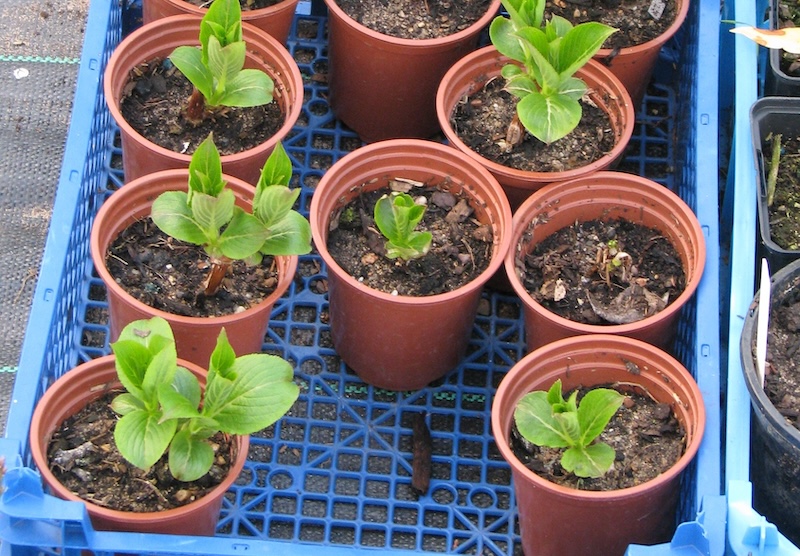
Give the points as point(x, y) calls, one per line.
point(747, 532)
point(335, 472)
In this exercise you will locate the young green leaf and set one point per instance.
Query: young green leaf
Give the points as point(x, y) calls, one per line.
point(189, 457)
point(173, 216)
point(216, 69)
point(289, 233)
point(168, 412)
point(207, 214)
point(205, 169)
point(547, 419)
point(396, 216)
point(589, 461)
point(142, 438)
point(244, 236)
point(548, 56)
point(261, 392)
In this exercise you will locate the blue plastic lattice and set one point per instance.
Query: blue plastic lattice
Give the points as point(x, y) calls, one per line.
point(335, 472)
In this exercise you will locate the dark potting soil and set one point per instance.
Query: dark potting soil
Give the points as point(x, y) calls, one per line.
point(460, 251)
point(575, 273)
point(784, 212)
point(782, 381)
point(637, 21)
point(154, 104)
point(646, 436)
point(482, 121)
point(415, 19)
point(244, 4)
point(789, 16)
point(85, 459)
point(168, 274)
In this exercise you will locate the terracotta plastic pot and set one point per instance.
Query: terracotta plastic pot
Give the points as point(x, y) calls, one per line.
point(157, 40)
point(274, 20)
point(560, 521)
point(471, 73)
point(195, 336)
point(633, 65)
point(393, 341)
point(72, 392)
point(605, 196)
point(384, 87)
point(774, 442)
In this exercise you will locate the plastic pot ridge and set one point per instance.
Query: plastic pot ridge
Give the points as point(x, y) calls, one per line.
point(393, 341)
point(71, 393)
point(157, 40)
point(579, 522)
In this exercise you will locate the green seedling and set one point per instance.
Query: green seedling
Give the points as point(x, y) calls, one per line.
point(216, 69)
point(610, 259)
point(397, 215)
point(774, 166)
point(550, 54)
point(547, 419)
point(165, 410)
point(207, 214)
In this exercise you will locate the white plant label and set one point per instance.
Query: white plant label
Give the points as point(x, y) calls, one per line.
point(762, 324)
point(656, 9)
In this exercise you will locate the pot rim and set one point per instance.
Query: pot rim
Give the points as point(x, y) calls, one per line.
point(758, 397)
point(656, 42)
point(99, 368)
point(97, 252)
point(648, 189)
point(612, 84)
point(670, 367)
point(416, 44)
point(186, 21)
point(247, 15)
point(501, 224)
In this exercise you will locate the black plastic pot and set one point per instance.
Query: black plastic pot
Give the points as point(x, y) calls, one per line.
point(774, 443)
point(776, 81)
point(771, 115)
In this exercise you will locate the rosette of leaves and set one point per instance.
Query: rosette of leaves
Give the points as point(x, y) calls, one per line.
point(550, 54)
point(216, 69)
point(547, 419)
point(165, 410)
point(207, 214)
point(397, 215)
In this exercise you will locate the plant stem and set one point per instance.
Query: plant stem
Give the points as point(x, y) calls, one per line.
point(775, 162)
point(219, 268)
point(196, 107)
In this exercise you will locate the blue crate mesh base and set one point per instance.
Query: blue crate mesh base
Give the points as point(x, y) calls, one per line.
point(336, 471)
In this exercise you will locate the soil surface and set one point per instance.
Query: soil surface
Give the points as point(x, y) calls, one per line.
point(784, 213)
point(782, 383)
point(645, 434)
point(415, 19)
point(168, 274)
point(154, 104)
point(637, 21)
point(460, 251)
point(482, 121)
point(245, 4)
point(85, 459)
point(582, 272)
point(789, 16)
